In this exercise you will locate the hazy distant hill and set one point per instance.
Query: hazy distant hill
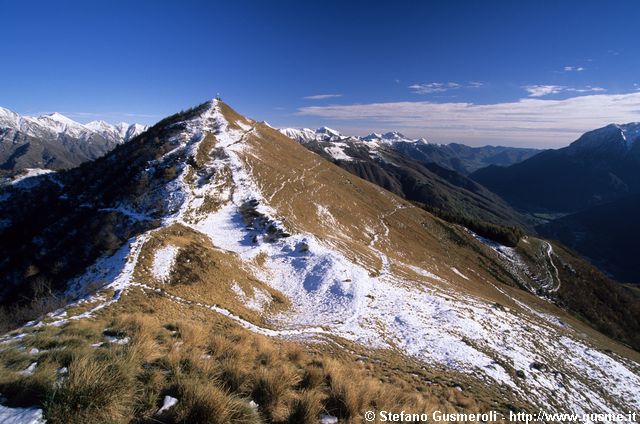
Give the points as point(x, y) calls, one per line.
point(601, 166)
point(466, 159)
point(596, 181)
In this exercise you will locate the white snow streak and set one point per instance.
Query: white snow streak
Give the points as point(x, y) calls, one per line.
point(21, 415)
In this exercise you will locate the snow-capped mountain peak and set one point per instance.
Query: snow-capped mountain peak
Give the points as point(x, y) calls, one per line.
point(122, 127)
point(8, 118)
point(393, 135)
point(122, 131)
point(613, 137)
point(630, 132)
point(55, 125)
point(373, 136)
point(134, 130)
point(58, 117)
point(98, 125)
point(305, 135)
point(329, 131)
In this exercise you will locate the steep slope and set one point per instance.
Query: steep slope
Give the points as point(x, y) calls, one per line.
point(456, 157)
point(227, 219)
point(607, 234)
point(55, 141)
point(601, 166)
point(439, 190)
point(582, 195)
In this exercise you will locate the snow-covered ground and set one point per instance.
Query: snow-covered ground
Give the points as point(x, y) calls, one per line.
point(337, 151)
point(163, 262)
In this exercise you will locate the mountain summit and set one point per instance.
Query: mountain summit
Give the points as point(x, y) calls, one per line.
point(215, 218)
point(609, 138)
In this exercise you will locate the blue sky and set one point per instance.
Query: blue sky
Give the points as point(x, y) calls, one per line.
point(525, 73)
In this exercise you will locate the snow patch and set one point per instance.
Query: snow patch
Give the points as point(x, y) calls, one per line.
point(455, 270)
point(328, 419)
point(163, 262)
point(168, 403)
point(117, 340)
point(338, 153)
point(28, 178)
point(244, 126)
point(30, 369)
point(21, 415)
point(257, 302)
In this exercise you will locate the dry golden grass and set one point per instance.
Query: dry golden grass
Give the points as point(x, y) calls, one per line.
point(95, 390)
point(215, 370)
point(233, 117)
point(201, 402)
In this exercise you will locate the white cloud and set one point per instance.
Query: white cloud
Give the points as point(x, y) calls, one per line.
point(525, 122)
point(543, 90)
point(587, 89)
point(322, 96)
point(434, 87)
point(438, 87)
point(574, 68)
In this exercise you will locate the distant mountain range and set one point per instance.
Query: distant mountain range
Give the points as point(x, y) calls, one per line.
point(56, 142)
point(585, 195)
point(458, 157)
point(601, 166)
point(398, 164)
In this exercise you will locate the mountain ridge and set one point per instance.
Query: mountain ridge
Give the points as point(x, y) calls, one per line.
point(438, 189)
point(458, 157)
point(213, 208)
